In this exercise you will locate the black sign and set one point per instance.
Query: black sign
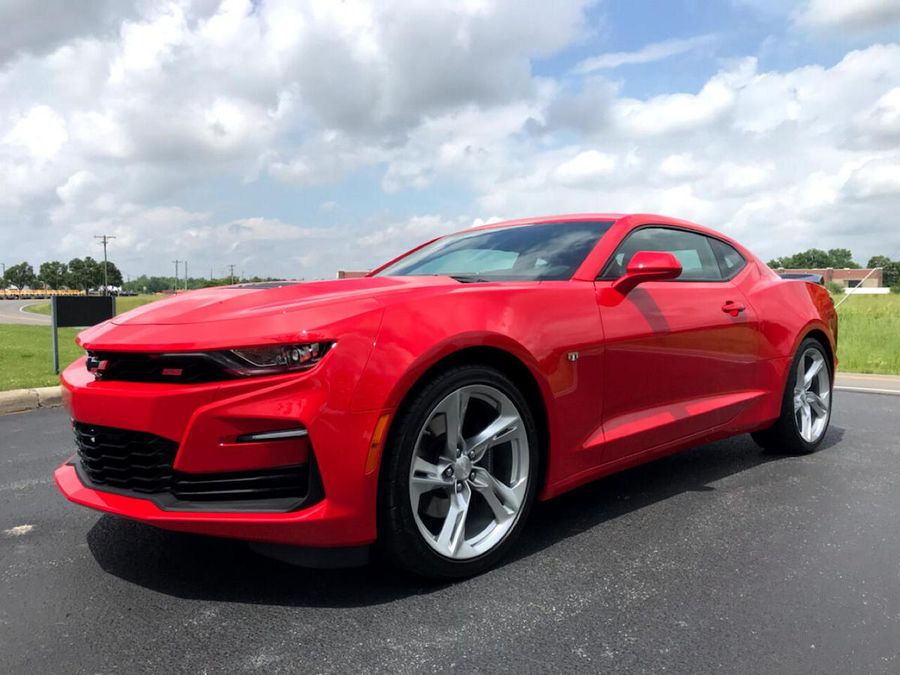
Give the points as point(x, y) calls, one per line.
point(82, 310)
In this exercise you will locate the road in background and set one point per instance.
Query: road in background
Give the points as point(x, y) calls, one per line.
point(718, 559)
point(879, 384)
point(11, 312)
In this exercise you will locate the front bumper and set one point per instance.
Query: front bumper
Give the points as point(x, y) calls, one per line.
point(204, 420)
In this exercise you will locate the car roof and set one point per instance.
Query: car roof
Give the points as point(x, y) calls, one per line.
point(541, 220)
point(625, 219)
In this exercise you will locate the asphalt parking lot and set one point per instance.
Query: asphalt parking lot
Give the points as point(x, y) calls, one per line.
point(11, 312)
point(720, 559)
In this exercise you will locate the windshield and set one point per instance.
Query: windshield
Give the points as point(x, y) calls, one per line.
point(545, 252)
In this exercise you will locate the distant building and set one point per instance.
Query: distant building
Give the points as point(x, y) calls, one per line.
point(349, 274)
point(845, 277)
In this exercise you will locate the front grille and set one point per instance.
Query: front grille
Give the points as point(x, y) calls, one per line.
point(139, 464)
point(127, 460)
point(169, 368)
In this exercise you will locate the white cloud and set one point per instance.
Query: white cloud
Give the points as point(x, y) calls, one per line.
point(40, 131)
point(775, 158)
point(866, 15)
point(30, 29)
point(140, 125)
point(682, 165)
point(877, 178)
point(586, 168)
point(656, 51)
point(669, 113)
point(882, 119)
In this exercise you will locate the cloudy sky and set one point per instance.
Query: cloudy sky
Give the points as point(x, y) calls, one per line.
point(292, 139)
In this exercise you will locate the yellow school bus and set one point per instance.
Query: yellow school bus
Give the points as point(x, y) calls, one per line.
point(36, 293)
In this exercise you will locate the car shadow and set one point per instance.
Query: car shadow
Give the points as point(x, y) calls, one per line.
point(197, 567)
point(604, 500)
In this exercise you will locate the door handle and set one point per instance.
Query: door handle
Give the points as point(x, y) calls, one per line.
point(733, 308)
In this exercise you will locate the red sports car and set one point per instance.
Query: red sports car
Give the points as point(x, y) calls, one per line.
point(422, 409)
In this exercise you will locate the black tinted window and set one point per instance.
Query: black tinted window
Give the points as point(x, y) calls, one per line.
point(730, 261)
point(545, 252)
point(694, 251)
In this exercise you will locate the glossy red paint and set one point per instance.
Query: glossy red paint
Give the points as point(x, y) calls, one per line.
point(661, 365)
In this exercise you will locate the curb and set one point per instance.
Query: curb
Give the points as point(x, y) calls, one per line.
point(22, 400)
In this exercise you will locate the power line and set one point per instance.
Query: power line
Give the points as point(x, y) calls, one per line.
point(104, 238)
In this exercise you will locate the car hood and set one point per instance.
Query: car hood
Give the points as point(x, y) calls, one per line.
point(255, 314)
point(255, 301)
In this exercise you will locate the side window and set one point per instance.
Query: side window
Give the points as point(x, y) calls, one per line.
point(730, 261)
point(693, 250)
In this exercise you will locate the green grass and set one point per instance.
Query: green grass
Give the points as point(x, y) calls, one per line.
point(26, 352)
point(26, 355)
point(869, 334)
point(122, 304)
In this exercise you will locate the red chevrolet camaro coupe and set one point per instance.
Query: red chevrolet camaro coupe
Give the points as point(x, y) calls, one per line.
point(422, 409)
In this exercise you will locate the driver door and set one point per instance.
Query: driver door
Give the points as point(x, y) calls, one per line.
point(681, 356)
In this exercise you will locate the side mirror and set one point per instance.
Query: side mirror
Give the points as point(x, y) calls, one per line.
point(647, 266)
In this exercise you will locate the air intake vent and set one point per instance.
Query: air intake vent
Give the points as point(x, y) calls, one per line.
point(138, 464)
point(127, 460)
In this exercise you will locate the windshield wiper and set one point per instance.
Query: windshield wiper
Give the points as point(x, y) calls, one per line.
point(468, 278)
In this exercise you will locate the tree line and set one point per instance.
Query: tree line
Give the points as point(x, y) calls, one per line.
point(86, 274)
point(154, 284)
point(79, 273)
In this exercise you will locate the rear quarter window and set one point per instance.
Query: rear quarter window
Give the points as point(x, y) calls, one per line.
point(730, 260)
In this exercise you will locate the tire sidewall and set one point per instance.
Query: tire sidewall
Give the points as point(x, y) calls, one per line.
point(398, 531)
point(788, 403)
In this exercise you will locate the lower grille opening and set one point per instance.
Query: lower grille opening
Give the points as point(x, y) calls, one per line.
point(139, 464)
point(268, 483)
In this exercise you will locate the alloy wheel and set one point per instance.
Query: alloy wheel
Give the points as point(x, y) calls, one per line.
point(469, 472)
point(812, 395)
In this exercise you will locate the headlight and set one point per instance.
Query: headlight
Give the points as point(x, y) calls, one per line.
point(276, 359)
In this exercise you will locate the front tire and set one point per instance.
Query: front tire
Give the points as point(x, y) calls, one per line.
point(805, 406)
point(459, 475)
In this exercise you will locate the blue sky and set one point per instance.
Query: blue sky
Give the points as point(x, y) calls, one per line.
point(294, 139)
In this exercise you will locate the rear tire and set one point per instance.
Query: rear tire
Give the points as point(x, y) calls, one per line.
point(805, 405)
point(459, 475)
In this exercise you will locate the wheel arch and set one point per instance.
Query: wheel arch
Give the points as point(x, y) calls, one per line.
point(495, 357)
point(818, 333)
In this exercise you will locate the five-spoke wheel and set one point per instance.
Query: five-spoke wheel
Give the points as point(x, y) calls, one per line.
point(806, 406)
point(812, 393)
point(458, 478)
point(469, 471)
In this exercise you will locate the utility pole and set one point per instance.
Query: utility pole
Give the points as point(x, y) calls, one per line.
point(231, 274)
point(177, 263)
point(104, 238)
point(185, 275)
